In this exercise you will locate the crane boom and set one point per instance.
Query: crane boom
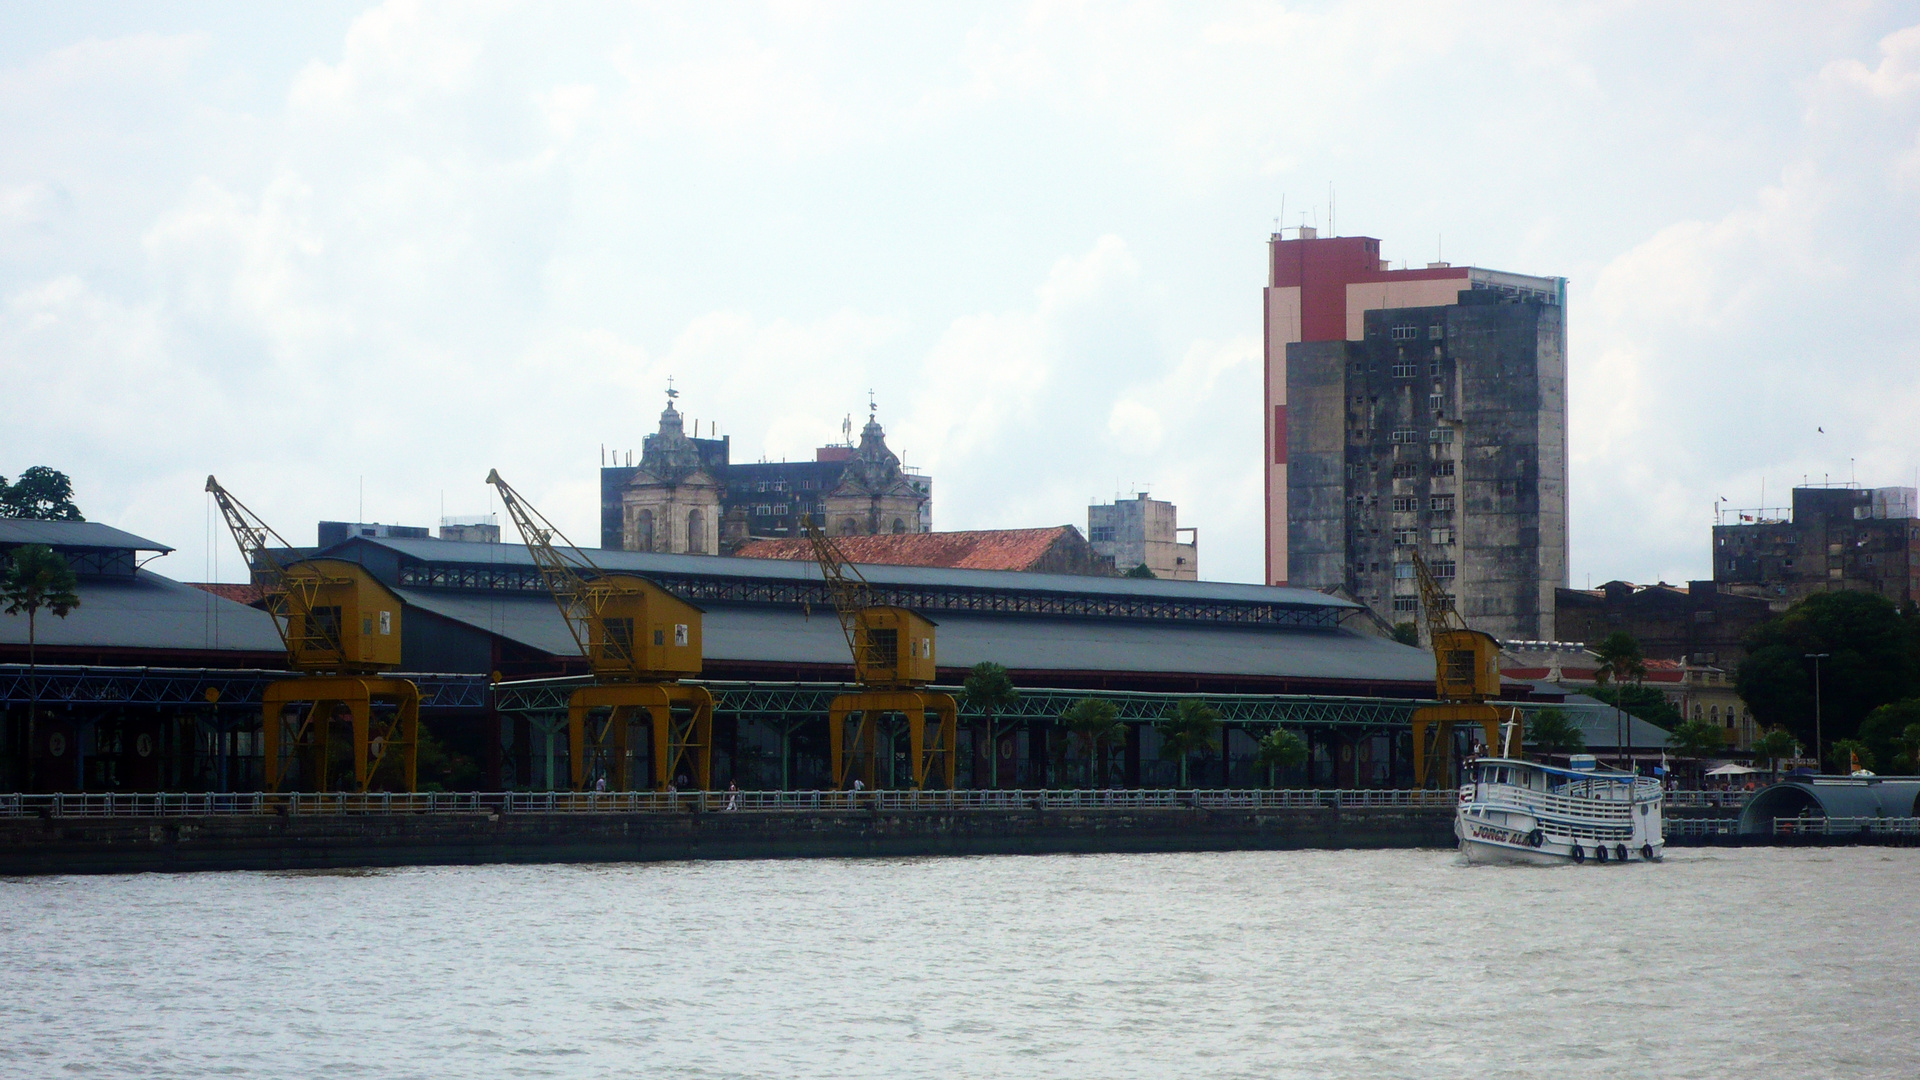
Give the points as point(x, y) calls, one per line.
point(1435, 605)
point(263, 569)
point(568, 574)
point(850, 592)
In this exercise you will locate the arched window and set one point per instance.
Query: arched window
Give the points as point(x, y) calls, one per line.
point(1714, 713)
point(696, 532)
point(899, 526)
point(643, 531)
point(849, 527)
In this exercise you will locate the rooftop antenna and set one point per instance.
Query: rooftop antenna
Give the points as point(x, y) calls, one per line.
point(1331, 231)
point(1283, 212)
point(846, 430)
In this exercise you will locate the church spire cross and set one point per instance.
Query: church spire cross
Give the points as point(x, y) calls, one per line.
point(671, 392)
point(872, 409)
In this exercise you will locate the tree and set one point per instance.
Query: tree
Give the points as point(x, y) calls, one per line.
point(1281, 749)
point(1098, 725)
point(1873, 659)
point(1851, 754)
point(1140, 571)
point(1406, 634)
point(1552, 731)
point(1775, 744)
point(41, 493)
point(1642, 701)
point(988, 689)
point(1621, 663)
point(1190, 728)
point(1889, 732)
point(37, 577)
point(1698, 739)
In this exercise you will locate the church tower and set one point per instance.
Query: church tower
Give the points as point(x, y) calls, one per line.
point(671, 504)
point(874, 495)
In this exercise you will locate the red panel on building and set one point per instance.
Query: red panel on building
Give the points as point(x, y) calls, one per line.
point(1279, 434)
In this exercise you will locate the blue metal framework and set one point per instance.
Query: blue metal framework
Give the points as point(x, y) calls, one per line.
point(69, 685)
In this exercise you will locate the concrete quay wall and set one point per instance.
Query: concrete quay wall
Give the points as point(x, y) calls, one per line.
point(35, 845)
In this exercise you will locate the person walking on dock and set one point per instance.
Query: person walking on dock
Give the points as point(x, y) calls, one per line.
point(733, 795)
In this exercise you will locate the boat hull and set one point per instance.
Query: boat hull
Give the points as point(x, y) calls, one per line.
point(1494, 853)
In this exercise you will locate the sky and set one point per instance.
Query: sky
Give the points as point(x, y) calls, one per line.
point(349, 257)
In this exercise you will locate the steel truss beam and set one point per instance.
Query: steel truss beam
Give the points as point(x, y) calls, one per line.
point(234, 687)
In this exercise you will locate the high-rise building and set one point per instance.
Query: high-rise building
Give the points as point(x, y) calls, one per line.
point(1144, 532)
point(1416, 409)
point(1836, 537)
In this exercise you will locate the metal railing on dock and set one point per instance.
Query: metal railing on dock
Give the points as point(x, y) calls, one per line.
point(117, 805)
point(1846, 826)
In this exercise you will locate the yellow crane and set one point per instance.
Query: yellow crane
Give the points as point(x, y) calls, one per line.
point(638, 640)
point(893, 657)
point(341, 628)
point(1466, 678)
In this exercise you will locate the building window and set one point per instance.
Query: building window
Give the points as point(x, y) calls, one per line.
point(1433, 368)
point(1405, 435)
point(1441, 504)
point(1403, 571)
point(1443, 569)
point(762, 511)
point(1442, 536)
point(1405, 333)
point(1406, 603)
point(643, 531)
point(1441, 435)
point(1435, 332)
point(1406, 470)
point(1406, 537)
point(1443, 468)
point(1100, 534)
point(1405, 369)
point(1406, 504)
point(779, 511)
point(696, 532)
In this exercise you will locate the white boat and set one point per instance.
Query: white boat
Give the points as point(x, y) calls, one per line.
point(1516, 811)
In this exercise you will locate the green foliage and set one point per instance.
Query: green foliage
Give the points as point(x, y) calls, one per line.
point(1552, 731)
point(38, 577)
point(1873, 660)
point(1644, 702)
point(40, 493)
point(1140, 571)
point(1621, 660)
point(1698, 739)
point(1406, 633)
point(1191, 728)
point(1097, 724)
point(1848, 753)
point(988, 688)
point(1774, 744)
point(1281, 749)
point(1892, 735)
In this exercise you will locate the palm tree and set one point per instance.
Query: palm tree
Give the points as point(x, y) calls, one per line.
point(37, 578)
point(1097, 723)
point(1773, 746)
point(1552, 731)
point(1853, 753)
point(1698, 739)
point(1621, 663)
point(1191, 728)
point(989, 689)
point(1281, 749)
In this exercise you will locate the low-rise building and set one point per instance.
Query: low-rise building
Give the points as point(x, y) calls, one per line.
point(1144, 531)
point(1701, 624)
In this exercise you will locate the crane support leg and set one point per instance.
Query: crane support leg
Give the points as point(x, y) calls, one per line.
point(684, 742)
point(1433, 727)
point(933, 749)
point(863, 740)
point(325, 694)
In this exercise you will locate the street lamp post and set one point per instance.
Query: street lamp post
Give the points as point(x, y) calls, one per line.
point(1819, 762)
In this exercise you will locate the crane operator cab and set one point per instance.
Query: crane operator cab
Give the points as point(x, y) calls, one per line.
point(893, 647)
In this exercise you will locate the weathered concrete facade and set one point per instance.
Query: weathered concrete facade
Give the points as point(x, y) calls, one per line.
point(1443, 429)
point(1861, 539)
point(1144, 531)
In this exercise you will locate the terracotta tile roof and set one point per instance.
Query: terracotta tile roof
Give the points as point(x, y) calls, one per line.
point(985, 549)
point(238, 593)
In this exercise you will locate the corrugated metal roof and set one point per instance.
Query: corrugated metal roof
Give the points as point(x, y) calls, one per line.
point(73, 534)
point(147, 611)
point(457, 552)
point(777, 635)
point(980, 549)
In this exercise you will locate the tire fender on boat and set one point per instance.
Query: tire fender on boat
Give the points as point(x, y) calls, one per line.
point(1536, 838)
point(1600, 852)
point(1621, 851)
point(1646, 852)
point(1579, 853)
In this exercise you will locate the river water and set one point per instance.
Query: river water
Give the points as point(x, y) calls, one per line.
point(1750, 963)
